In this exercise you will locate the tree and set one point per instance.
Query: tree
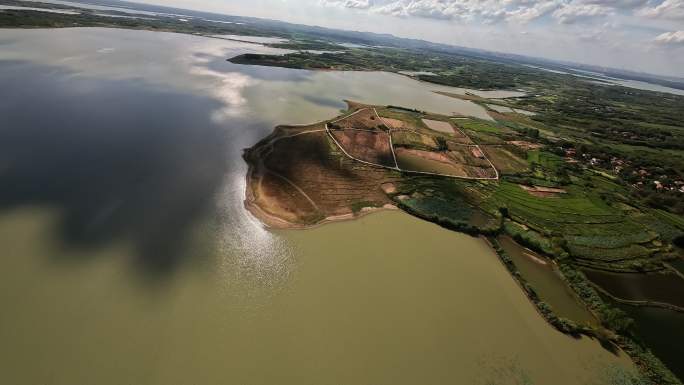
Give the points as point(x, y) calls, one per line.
point(441, 144)
point(617, 320)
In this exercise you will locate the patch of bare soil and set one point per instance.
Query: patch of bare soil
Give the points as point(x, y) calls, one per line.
point(466, 155)
point(480, 172)
point(442, 157)
point(389, 188)
point(504, 160)
point(428, 161)
point(412, 139)
point(543, 192)
point(299, 179)
point(364, 119)
point(373, 147)
point(460, 138)
point(525, 145)
point(395, 124)
point(445, 163)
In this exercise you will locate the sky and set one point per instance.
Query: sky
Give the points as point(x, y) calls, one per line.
point(641, 35)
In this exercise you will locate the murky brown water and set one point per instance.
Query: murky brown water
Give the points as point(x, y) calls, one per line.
point(364, 302)
point(546, 281)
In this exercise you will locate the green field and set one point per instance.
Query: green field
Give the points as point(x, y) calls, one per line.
point(545, 159)
point(478, 125)
point(581, 225)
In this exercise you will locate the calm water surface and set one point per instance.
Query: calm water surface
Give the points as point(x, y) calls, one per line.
point(662, 330)
point(608, 80)
point(667, 288)
point(547, 282)
point(11, 7)
point(129, 258)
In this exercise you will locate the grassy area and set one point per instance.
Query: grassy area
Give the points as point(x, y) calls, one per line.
point(505, 160)
point(545, 159)
point(414, 140)
point(478, 125)
point(582, 226)
point(412, 118)
point(440, 200)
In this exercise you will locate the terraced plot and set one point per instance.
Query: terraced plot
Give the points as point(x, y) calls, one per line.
point(545, 159)
point(410, 119)
point(362, 119)
point(449, 163)
point(300, 177)
point(368, 146)
point(505, 160)
point(409, 145)
point(413, 139)
point(430, 162)
point(478, 125)
point(594, 233)
point(469, 156)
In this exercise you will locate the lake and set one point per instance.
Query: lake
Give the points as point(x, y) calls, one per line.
point(601, 79)
point(128, 256)
point(18, 8)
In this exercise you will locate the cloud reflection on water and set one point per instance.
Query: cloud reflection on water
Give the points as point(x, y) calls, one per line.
point(135, 138)
point(142, 134)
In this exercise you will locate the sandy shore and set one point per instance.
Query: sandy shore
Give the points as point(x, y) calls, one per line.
point(272, 221)
point(275, 222)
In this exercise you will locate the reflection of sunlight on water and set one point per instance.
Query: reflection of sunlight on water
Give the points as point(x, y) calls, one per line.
point(256, 263)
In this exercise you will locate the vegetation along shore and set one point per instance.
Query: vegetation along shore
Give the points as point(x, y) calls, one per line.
point(482, 178)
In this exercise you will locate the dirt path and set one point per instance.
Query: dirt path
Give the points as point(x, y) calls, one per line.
point(267, 150)
point(389, 127)
point(396, 167)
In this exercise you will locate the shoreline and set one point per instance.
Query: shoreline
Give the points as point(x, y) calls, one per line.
point(273, 221)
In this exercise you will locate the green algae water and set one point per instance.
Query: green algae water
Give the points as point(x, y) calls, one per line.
point(128, 257)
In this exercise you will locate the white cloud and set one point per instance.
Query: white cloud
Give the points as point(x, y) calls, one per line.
point(358, 4)
point(668, 9)
point(671, 38)
point(486, 11)
point(517, 11)
point(527, 14)
point(575, 12)
point(618, 4)
point(490, 11)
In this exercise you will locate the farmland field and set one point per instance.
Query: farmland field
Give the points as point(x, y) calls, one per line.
point(505, 160)
point(372, 147)
point(478, 125)
point(424, 161)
